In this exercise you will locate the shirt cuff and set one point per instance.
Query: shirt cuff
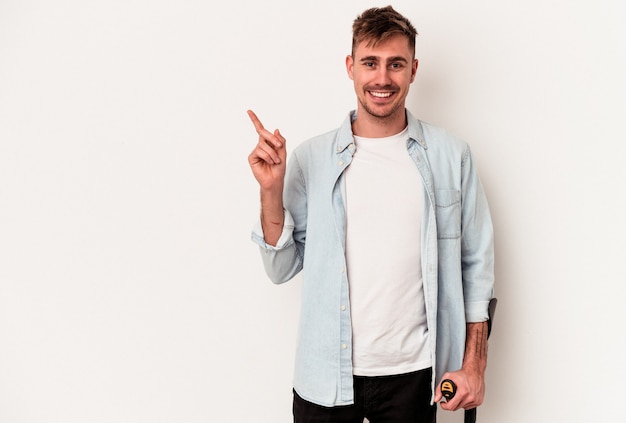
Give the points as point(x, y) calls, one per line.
point(286, 236)
point(476, 312)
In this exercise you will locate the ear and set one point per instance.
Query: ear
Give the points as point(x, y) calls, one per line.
point(350, 66)
point(414, 69)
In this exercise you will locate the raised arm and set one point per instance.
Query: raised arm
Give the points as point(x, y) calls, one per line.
point(268, 163)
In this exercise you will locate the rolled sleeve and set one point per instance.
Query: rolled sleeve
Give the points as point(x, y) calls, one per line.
point(477, 311)
point(283, 261)
point(286, 236)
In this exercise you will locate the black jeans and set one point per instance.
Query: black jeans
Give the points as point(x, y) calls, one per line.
point(401, 398)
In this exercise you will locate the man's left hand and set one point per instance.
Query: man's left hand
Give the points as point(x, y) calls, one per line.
point(470, 390)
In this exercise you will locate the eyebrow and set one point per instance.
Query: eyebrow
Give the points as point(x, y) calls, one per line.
point(390, 59)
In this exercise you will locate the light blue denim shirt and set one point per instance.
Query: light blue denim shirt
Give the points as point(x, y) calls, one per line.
point(457, 254)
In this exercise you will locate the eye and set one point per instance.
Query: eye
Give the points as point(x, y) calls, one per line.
point(396, 66)
point(369, 64)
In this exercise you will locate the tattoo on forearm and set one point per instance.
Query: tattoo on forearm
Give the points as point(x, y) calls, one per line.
point(481, 341)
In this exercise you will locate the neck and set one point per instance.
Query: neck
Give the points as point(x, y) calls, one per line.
point(369, 126)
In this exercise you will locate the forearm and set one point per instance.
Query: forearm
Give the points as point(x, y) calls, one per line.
point(470, 380)
point(272, 215)
point(475, 359)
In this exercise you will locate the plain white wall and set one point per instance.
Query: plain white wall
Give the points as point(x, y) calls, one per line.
point(129, 289)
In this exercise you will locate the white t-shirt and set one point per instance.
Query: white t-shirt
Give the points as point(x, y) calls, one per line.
point(384, 203)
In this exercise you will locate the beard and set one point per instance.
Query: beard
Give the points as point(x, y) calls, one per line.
point(376, 111)
point(383, 113)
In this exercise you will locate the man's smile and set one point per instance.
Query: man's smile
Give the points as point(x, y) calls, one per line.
point(381, 94)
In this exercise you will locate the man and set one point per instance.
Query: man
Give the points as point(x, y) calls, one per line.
point(387, 219)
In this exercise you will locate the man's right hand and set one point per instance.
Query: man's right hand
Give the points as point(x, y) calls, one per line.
point(269, 158)
point(268, 162)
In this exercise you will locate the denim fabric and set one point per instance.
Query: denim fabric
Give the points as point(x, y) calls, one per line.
point(457, 254)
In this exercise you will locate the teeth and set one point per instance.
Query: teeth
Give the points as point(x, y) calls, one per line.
point(379, 94)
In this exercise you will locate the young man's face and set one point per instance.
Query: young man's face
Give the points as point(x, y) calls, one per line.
point(382, 76)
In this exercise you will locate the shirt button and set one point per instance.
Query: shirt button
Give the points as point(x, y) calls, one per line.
point(343, 308)
point(340, 162)
point(344, 346)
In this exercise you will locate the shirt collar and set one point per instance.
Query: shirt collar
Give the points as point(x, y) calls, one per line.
point(345, 138)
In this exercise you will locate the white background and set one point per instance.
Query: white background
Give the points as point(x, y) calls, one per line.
point(129, 288)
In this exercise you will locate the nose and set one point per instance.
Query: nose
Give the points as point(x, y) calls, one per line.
point(382, 76)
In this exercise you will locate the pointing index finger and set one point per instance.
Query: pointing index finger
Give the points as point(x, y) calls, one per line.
point(255, 121)
point(275, 139)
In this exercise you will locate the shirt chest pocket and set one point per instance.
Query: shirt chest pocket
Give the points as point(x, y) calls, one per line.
point(448, 213)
